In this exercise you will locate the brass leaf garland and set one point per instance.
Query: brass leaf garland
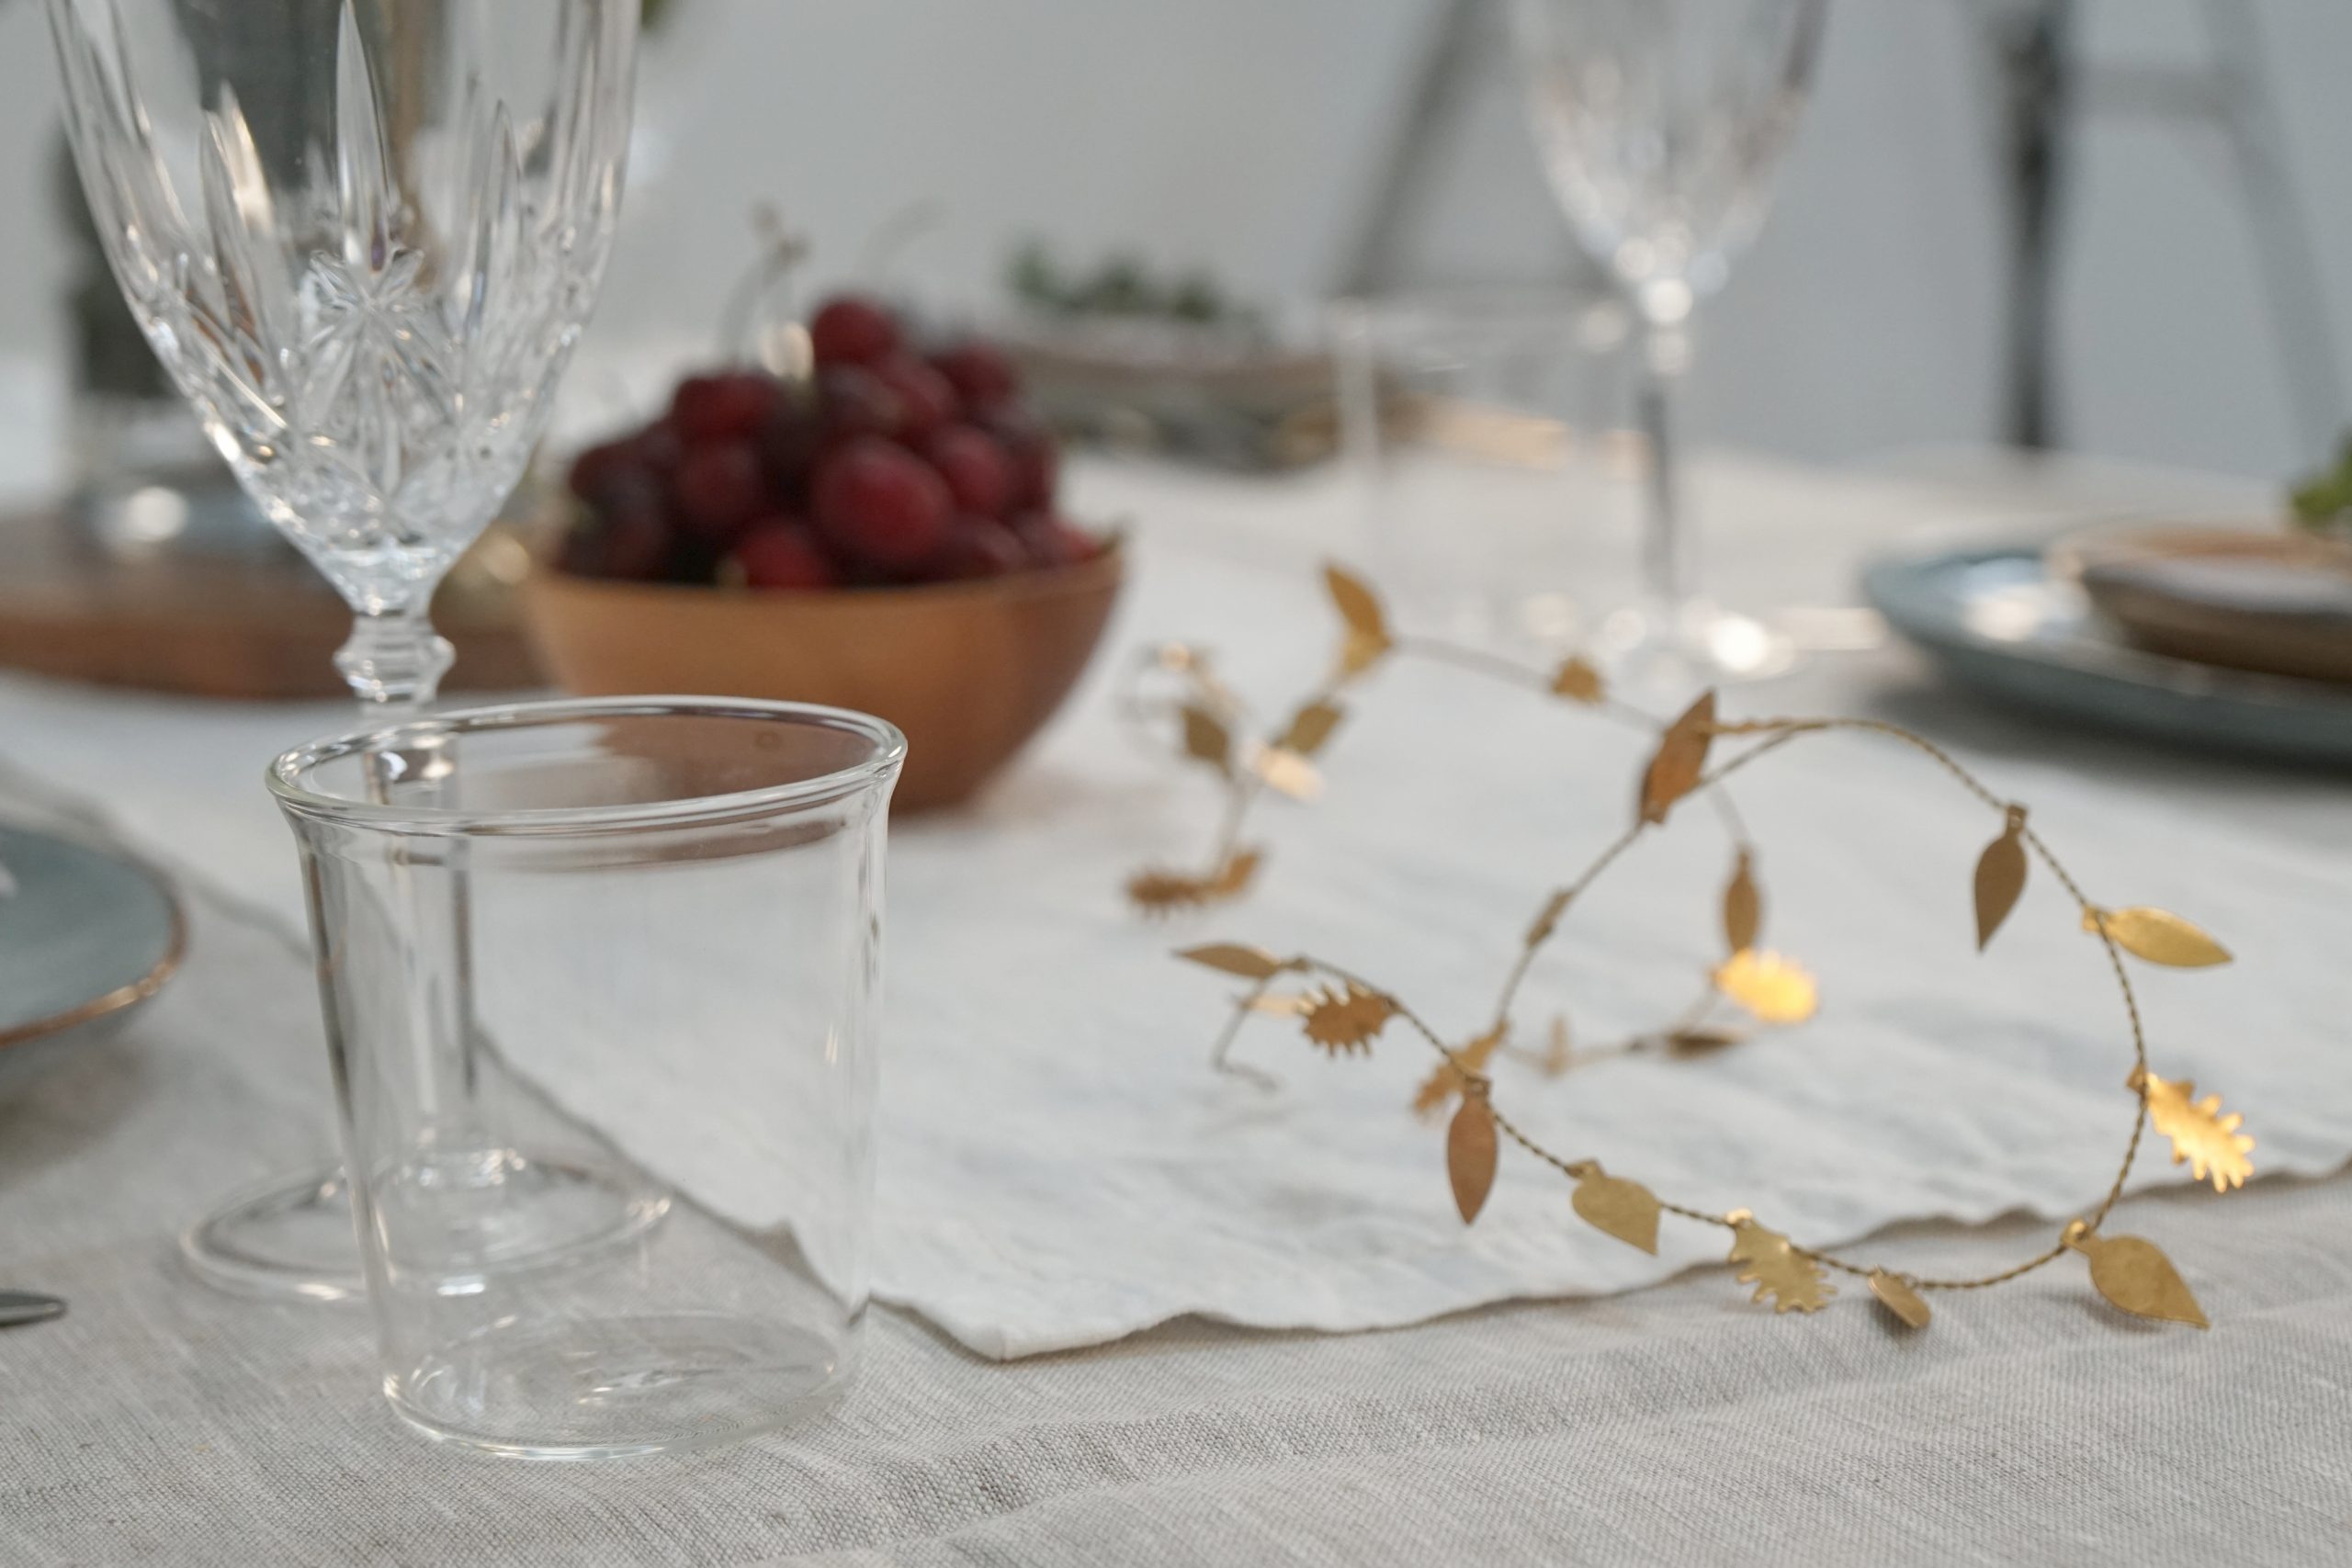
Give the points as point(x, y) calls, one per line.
point(1680, 760)
point(1577, 680)
point(1343, 1013)
point(1895, 1294)
point(1470, 1149)
point(2157, 935)
point(2132, 1274)
point(2207, 1140)
point(1367, 640)
point(1160, 893)
point(1206, 739)
point(1450, 1077)
point(1743, 906)
point(1310, 727)
point(1771, 1263)
point(1347, 1017)
point(1626, 1210)
point(1233, 958)
point(2000, 877)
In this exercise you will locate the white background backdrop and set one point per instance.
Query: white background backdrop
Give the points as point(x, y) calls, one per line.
point(1242, 134)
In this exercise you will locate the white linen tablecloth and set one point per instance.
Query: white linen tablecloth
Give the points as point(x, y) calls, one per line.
point(160, 1423)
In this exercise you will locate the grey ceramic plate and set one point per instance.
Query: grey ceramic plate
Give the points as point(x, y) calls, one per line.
point(85, 936)
point(1997, 620)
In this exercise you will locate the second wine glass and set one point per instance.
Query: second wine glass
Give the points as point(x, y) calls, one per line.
point(1660, 124)
point(362, 237)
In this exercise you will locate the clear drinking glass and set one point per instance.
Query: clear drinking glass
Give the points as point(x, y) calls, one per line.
point(1660, 124)
point(675, 914)
point(1483, 431)
point(362, 236)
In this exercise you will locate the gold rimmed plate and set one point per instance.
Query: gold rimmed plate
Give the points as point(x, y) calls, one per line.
point(86, 935)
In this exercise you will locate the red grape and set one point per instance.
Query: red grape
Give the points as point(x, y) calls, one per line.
point(976, 547)
point(718, 489)
point(881, 504)
point(980, 372)
point(1035, 459)
point(783, 552)
point(853, 401)
point(926, 400)
point(1051, 541)
point(721, 406)
point(852, 330)
point(977, 472)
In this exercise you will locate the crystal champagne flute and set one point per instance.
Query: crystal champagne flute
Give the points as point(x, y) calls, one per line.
point(362, 237)
point(1660, 124)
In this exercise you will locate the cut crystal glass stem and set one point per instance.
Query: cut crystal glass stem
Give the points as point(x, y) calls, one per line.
point(394, 660)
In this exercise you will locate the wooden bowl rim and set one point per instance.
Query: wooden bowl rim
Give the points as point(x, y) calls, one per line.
point(1104, 570)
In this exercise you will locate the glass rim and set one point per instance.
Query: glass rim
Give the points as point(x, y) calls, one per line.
point(285, 770)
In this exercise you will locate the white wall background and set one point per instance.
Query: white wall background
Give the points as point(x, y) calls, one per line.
point(1240, 133)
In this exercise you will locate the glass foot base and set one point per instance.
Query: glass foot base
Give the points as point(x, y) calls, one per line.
point(623, 1386)
point(292, 1239)
point(1671, 650)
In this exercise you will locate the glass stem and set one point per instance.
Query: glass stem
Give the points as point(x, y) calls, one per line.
point(1669, 552)
point(393, 660)
point(395, 663)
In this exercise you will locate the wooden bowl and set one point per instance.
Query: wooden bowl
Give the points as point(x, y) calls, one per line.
point(2250, 597)
point(970, 671)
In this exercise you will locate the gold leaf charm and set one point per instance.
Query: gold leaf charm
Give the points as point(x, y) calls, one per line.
point(1617, 1207)
point(1310, 727)
point(1775, 989)
point(1345, 1018)
point(1743, 906)
point(1367, 640)
point(1700, 1039)
point(2158, 936)
point(2000, 877)
point(1680, 760)
point(1286, 773)
point(1280, 1004)
point(2209, 1142)
point(1206, 739)
point(1232, 878)
point(1470, 1150)
point(1774, 1266)
point(1577, 680)
point(1232, 958)
point(1160, 892)
point(1895, 1294)
point(1449, 1079)
point(2133, 1275)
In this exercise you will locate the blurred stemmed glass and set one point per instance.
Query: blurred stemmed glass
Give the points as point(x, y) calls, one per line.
point(362, 237)
point(1660, 124)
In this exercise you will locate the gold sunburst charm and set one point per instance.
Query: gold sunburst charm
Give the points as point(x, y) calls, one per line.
point(1345, 1018)
point(1771, 1263)
point(2204, 1139)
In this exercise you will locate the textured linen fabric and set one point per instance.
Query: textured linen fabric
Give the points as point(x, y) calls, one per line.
point(1058, 1168)
point(161, 1423)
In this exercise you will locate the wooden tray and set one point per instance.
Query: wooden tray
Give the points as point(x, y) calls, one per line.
point(219, 625)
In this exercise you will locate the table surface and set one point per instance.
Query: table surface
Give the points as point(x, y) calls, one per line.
point(160, 1422)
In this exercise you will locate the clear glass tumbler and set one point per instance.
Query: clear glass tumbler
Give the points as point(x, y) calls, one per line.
point(1485, 431)
point(672, 943)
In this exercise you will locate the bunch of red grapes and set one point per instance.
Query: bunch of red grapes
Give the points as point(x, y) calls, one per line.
point(888, 466)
